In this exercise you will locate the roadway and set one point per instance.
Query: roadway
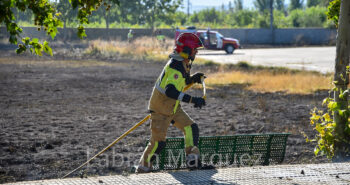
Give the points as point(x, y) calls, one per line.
point(307, 58)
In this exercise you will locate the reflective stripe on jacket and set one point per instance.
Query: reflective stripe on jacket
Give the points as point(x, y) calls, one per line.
point(175, 73)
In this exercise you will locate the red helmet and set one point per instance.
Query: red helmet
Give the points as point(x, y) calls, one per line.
point(186, 43)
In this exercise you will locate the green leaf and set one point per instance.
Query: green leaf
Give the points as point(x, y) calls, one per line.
point(19, 50)
point(326, 100)
point(26, 40)
point(13, 39)
point(19, 29)
point(81, 32)
point(38, 49)
point(333, 11)
point(315, 117)
point(316, 150)
point(333, 106)
point(344, 113)
point(345, 93)
point(35, 40)
point(320, 129)
point(327, 118)
point(49, 51)
point(47, 48)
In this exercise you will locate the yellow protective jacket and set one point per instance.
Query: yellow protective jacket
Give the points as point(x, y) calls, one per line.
point(167, 92)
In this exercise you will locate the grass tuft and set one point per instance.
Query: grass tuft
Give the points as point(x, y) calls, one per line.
point(144, 48)
point(266, 81)
point(22, 61)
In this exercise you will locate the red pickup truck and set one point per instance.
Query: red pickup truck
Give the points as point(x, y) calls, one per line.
point(212, 40)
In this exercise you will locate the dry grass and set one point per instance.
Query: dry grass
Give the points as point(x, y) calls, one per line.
point(266, 81)
point(150, 49)
point(57, 63)
point(144, 48)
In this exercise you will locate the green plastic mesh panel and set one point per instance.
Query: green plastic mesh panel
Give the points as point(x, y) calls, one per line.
point(236, 150)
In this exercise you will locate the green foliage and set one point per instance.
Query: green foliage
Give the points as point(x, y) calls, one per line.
point(180, 18)
point(311, 3)
point(296, 18)
point(311, 17)
point(340, 109)
point(143, 13)
point(243, 18)
point(330, 135)
point(296, 4)
point(279, 5)
point(262, 5)
point(262, 21)
point(238, 5)
point(46, 16)
point(325, 125)
point(34, 46)
point(208, 15)
point(334, 11)
point(280, 20)
point(149, 12)
point(67, 12)
point(26, 16)
point(250, 18)
point(315, 17)
point(323, 3)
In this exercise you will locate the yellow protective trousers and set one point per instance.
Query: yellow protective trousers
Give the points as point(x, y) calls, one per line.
point(159, 126)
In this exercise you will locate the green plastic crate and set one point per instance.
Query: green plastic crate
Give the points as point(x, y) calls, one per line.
point(236, 150)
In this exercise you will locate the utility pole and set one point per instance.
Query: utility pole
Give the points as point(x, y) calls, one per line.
point(271, 14)
point(188, 9)
point(271, 23)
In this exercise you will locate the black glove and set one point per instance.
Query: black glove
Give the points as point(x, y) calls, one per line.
point(198, 102)
point(196, 78)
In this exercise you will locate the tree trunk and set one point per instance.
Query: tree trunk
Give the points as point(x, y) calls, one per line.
point(105, 15)
point(65, 34)
point(107, 21)
point(152, 17)
point(271, 23)
point(271, 14)
point(341, 78)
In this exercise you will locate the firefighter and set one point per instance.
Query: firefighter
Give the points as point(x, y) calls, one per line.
point(165, 105)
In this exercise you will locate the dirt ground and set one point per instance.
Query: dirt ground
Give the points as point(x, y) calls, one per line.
point(57, 113)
